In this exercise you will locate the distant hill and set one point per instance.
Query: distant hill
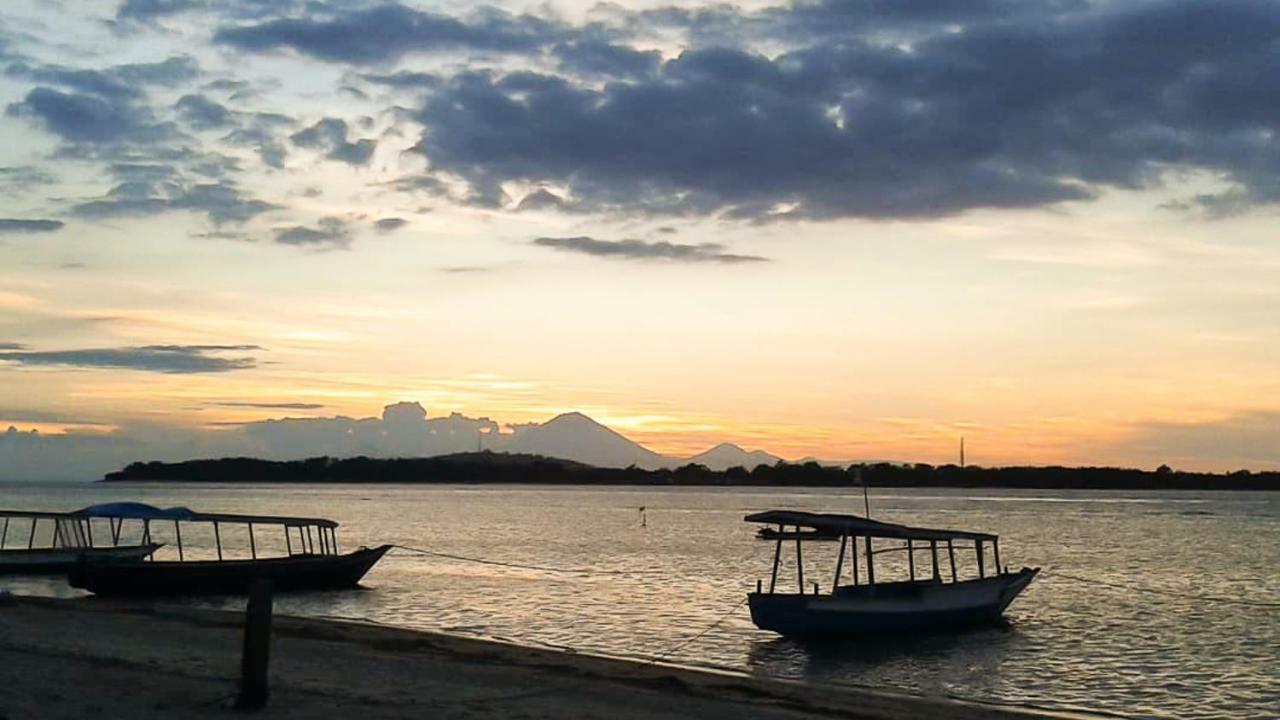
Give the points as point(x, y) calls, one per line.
point(727, 455)
point(578, 437)
point(491, 467)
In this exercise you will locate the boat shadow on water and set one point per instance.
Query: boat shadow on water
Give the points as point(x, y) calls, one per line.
point(846, 659)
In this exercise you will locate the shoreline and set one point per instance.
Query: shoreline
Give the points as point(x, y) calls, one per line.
point(81, 657)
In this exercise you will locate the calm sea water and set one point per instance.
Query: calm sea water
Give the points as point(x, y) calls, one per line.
point(1146, 651)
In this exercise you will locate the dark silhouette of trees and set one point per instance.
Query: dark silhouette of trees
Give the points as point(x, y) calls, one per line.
point(495, 468)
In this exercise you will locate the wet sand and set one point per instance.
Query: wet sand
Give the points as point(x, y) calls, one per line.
point(108, 659)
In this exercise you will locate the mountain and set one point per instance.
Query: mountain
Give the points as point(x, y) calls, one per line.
point(727, 455)
point(574, 436)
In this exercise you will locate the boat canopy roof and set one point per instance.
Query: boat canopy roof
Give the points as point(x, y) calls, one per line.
point(142, 511)
point(855, 525)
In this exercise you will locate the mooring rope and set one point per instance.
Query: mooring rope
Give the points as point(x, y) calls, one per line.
point(686, 643)
point(524, 566)
point(1052, 573)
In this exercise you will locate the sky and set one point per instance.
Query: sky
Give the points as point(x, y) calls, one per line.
point(849, 230)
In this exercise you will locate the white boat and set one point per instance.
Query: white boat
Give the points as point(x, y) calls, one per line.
point(52, 542)
point(865, 605)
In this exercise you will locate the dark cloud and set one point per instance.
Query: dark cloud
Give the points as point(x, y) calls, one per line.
point(11, 346)
point(979, 106)
point(220, 202)
point(330, 233)
point(640, 250)
point(16, 225)
point(330, 136)
point(202, 113)
point(144, 10)
point(177, 359)
point(541, 199)
point(595, 57)
point(391, 224)
point(405, 79)
point(87, 118)
point(387, 32)
point(271, 405)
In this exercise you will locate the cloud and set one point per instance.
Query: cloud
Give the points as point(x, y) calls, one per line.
point(983, 105)
point(387, 32)
point(330, 135)
point(271, 405)
point(118, 82)
point(88, 118)
point(23, 178)
point(145, 10)
point(175, 359)
point(221, 202)
point(14, 225)
point(640, 250)
point(11, 346)
point(202, 113)
point(330, 233)
point(390, 224)
point(594, 57)
point(1247, 440)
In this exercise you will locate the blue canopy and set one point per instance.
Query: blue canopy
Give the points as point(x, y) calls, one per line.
point(136, 511)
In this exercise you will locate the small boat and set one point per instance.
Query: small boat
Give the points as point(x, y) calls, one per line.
point(52, 542)
point(865, 605)
point(314, 563)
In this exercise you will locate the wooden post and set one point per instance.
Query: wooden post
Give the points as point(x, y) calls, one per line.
point(839, 564)
point(933, 550)
point(995, 547)
point(977, 546)
point(799, 562)
point(257, 647)
point(31, 541)
point(951, 553)
point(871, 566)
point(253, 548)
point(217, 539)
point(911, 561)
point(777, 560)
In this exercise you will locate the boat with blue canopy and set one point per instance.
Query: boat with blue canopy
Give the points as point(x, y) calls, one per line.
point(33, 542)
point(307, 559)
point(860, 603)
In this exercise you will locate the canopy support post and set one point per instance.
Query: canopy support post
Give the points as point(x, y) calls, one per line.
point(777, 560)
point(333, 535)
point(311, 546)
point(951, 554)
point(31, 541)
point(4, 535)
point(933, 550)
point(977, 547)
point(854, 555)
point(288, 544)
point(871, 566)
point(253, 548)
point(911, 561)
point(177, 531)
point(995, 547)
point(799, 562)
point(839, 564)
point(217, 539)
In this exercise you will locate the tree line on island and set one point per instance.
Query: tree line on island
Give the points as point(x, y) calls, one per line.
point(501, 468)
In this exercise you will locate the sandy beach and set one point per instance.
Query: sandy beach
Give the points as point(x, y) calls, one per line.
point(93, 658)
